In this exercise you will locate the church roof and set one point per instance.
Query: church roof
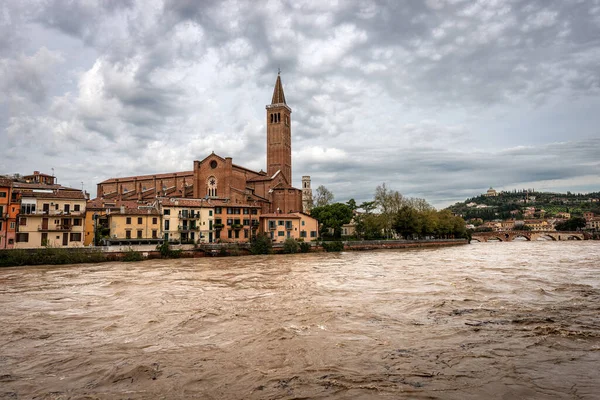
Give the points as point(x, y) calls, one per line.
point(278, 96)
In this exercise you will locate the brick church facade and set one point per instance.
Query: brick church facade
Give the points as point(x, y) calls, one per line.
point(218, 179)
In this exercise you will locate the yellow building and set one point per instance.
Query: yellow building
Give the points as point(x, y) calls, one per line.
point(187, 220)
point(538, 225)
point(50, 216)
point(139, 225)
point(96, 216)
point(293, 225)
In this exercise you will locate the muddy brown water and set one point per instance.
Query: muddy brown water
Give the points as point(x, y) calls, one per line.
point(490, 320)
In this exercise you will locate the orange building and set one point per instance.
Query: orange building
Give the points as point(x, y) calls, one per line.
point(298, 226)
point(218, 179)
point(8, 214)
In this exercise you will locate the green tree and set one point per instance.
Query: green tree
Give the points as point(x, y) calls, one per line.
point(290, 246)
point(406, 222)
point(368, 206)
point(352, 204)
point(369, 226)
point(332, 217)
point(389, 202)
point(323, 197)
point(261, 244)
point(573, 224)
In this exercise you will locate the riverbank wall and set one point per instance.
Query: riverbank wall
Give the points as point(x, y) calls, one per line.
point(18, 257)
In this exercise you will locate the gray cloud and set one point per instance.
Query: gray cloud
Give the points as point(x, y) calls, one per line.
point(440, 99)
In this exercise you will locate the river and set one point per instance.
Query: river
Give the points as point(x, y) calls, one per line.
point(517, 320)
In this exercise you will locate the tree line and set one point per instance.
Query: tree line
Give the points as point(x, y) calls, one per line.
point(388, 215)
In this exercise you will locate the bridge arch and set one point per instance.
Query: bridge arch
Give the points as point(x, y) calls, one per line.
point(520, 236)
point(546, 236)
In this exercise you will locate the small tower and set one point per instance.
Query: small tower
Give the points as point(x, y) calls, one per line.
point(279, 134)
point(307, 199)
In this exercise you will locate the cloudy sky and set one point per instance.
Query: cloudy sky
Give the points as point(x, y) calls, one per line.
point(439, 99)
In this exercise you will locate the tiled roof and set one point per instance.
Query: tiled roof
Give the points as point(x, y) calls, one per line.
point(60, 194)
point(146, 177)
point(100, 203)
point(5, 181)
point(279, 215)
point(136, 211)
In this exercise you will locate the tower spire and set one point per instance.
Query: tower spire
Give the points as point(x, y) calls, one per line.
point(278, 96)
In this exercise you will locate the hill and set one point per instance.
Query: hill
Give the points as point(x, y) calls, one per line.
point(527, 204)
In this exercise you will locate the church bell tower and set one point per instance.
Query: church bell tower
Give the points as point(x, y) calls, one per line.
point(279, 134)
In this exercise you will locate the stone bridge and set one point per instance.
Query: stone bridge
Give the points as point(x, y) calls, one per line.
point(509, 236)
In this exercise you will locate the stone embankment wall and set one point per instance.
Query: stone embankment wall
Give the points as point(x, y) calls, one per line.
point(121, 253)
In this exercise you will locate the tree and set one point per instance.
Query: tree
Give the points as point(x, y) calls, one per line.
point(368, 206)
point(406, 222)
point(261, 244)
point(389, 202)
point(573, 224)
point(369, 226)
point(323, 196)
point(332, 217)
point(352, 204)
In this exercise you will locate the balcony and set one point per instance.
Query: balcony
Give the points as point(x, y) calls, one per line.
point(191, 215)
point(55, 228)
point(218, 226)
point(188, 228)
point(4, 216)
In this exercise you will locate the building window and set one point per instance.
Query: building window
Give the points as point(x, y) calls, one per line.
point(246, 222)
point(22, 221)
point(12, 225)
point(76, 207)
point(302, 223)
point(3, 194)
point(272, 225)
point(303, 234)
point(128, 220)
point(76, 237)
point(229, 221)
point(127, 234)
point(210, 213)
point(230, 234)
point(23, 237)
point(154, 221)
point(246, 211)
point(313, 234)
point(154, 234)
point(140, 220)
point(288, 224)
point(280, 223)
point(67, 208)
point(76, 221)
point(218, 210)
point(27, 208)
point(0, 226)
point(167, 211)
point(166, 225)
point(211, 187)
point(281, 233)
point(139, 234)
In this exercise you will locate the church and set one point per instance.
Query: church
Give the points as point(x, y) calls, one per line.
point(218, 179)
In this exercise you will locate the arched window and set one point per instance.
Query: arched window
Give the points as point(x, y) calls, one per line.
point(271, 117)
point(211, 187)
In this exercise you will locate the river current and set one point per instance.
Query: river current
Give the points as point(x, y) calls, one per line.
point(517, 320)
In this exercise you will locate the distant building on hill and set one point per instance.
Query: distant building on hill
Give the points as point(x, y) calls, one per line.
point(491, 192)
